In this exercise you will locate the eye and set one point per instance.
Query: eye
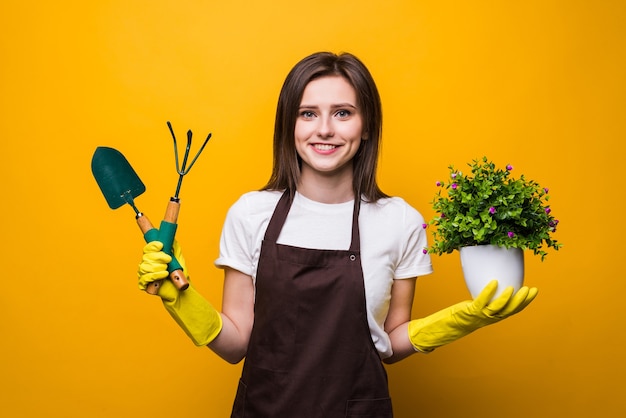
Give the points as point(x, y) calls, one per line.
point(307, 114)
point(343, 113)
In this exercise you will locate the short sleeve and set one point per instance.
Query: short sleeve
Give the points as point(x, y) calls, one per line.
point(414, 260)
point(236, 240)
point(243, 231)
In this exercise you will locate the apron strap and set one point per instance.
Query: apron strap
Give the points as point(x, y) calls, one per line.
point(355, 245)
point(278, 217)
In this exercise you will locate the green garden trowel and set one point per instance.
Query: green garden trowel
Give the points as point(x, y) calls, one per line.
point(120, 185)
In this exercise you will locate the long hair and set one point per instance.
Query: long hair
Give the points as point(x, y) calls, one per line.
point(287, 163)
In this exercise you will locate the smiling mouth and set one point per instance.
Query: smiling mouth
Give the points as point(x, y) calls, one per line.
point(324, 147)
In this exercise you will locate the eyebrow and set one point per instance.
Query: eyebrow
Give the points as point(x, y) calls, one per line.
point(333, 106)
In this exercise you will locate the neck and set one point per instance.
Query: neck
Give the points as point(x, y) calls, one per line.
point(326, 188)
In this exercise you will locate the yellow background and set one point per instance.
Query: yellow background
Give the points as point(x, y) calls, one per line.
point(538, 84)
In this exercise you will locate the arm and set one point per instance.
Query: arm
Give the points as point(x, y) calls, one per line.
point(237, 317)
point(226, 333)
point(398, 318)
point(456, 321)
point(447, 325)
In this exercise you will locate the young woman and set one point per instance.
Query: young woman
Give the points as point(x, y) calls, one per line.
point(320, 264)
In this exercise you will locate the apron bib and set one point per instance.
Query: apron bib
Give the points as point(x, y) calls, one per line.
point(311, 353)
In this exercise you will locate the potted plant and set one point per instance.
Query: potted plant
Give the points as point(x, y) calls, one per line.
point(491, 218)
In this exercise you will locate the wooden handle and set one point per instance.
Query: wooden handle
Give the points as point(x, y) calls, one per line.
point(178, 278)
point(145, 225)
point(172, 210)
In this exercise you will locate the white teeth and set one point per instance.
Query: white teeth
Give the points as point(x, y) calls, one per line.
point(324, 147)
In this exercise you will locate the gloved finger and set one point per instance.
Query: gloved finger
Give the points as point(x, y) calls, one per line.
point(485, 295)
point(153, 264)
point(158, 257)
point(146, 278)
point(520, 301)
point(153, 246)
point(499, 303)
point(153, 251)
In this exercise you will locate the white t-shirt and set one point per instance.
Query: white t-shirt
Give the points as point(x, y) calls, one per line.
point(392, 243)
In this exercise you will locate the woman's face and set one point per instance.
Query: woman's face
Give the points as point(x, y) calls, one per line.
point(329, 127)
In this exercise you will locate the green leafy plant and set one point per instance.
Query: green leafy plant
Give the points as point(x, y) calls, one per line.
point(489, 206)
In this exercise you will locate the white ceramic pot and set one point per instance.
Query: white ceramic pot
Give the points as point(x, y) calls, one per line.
point(483, 263)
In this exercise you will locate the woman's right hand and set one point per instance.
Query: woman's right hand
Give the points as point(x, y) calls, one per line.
point(153, 265)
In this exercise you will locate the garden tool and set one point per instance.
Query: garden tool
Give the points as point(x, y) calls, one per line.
point(168, 226)
point(169, 222)
point(120, 185)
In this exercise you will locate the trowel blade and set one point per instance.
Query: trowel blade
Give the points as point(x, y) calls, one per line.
point(117, 180)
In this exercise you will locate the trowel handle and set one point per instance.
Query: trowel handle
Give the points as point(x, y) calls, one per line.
point(150, 233)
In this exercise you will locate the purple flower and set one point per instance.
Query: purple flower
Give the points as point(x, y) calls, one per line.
point(424, 226)
point(443, 215)
point(425, 251)
point(454, 186)
point(453, 175)
point(511, 234)
point(553, 223)
point(438, 184)
point(548, 210)
point(509, 167)
point(492, 210)
point(546, 190)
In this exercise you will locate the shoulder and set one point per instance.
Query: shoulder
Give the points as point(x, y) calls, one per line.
point(255, 202)
point(395, 208)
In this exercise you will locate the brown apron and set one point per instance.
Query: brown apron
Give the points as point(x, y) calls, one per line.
point(311, 353)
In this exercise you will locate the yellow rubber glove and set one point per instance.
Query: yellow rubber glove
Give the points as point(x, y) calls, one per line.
point(193, 313)
point(458, 320)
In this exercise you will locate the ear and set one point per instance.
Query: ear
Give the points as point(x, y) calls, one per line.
point(365, 136)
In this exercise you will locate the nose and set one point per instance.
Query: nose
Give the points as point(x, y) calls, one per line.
point(325, 128)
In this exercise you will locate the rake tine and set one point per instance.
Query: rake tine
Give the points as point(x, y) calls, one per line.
point(169, 125)
point(184, 169)
point(198, 154)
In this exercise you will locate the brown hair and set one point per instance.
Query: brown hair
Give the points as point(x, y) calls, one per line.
point(286, 167)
